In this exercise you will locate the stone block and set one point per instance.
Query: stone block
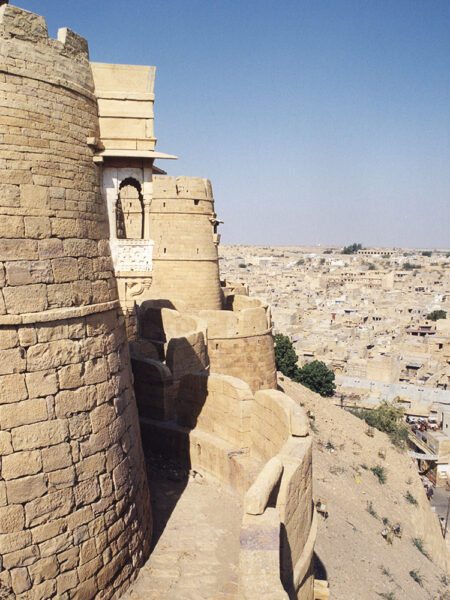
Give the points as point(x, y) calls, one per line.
point(20, 580)
point(41, 383)
point(50, 332)
point(88, 588)
point(37, 227)
point(9, 195)
point(96, 371)
point(45, 590)
point(65, 269)
point(11, 542)
point(32, 196)
point(53, 354)
point(26, 488)
point(44, 569)
point(57, 457)
point(48, 530)
point(68, 560)
point(59, 295)
point(27, 335)
point(20, 464)
point(102, 416)
point(50, 248)
point(66, 581)
point(55, 545)
point(86, 492)
point(19, 249)
point(12, 361)
point(28, 272)
point(23, 413)
point(71, 377)
point(11, 519)
point(11, 227)
point(61, 479)
point(56, 504)
point(80, 426)
point(25, 299)
point(12, 387)
point(91, 466)
point(5, 443)
point(96, 443)
point(39, 435)
point(9, 338)
point(69, 402)
point(21, 558)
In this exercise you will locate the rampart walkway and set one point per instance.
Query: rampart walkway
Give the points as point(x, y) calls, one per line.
point(196, 539)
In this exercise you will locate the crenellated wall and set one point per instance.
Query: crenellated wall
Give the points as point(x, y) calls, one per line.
point(74, 506)
point(240, 341)
point(185, 258)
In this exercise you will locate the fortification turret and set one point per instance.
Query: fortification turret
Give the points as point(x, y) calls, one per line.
point(74, 504)
point(183, 226)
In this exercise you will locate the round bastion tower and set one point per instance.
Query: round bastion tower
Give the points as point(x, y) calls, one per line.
point(74, 506)
point(183, 226)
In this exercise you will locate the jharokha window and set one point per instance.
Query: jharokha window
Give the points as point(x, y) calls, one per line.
point(130, 211)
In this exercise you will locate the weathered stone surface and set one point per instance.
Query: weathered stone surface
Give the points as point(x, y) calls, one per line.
point(20, 464)
point(12, 387)
point(26, 488)
point(11, 518)
point(39, 435)
point(23, 413)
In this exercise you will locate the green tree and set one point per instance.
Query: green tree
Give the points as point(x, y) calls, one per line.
point(317, 377)
point(352, 249)
point(285, 356)
point(427, 253)
point(435, 315)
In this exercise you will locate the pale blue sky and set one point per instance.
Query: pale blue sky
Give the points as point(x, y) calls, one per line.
point(317, 121)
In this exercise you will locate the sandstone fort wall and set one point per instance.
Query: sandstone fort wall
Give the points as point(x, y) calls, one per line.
point(240, 342)
point(74, 505)
point(185, 259)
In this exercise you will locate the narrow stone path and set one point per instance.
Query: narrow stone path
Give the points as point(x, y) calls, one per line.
point(196, 539)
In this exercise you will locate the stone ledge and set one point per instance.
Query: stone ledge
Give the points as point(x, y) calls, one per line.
point(58, 314)
point(241, 336)
point(57, 81)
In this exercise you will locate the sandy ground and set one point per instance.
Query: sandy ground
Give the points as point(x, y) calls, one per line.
point(359, 563)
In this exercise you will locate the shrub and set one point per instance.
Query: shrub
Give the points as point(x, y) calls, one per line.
point(380, 473)
point(386, 418)
point(410, 498)
point(416, 576)
point(410, 267)
point(242, 266)
point(370, 509)
point(418, 543)
point(435, 315)
point(427, 253)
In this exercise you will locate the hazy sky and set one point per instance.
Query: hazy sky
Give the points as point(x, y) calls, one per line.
point(318, 122)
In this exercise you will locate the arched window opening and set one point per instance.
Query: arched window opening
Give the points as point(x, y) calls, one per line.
point(130, 210)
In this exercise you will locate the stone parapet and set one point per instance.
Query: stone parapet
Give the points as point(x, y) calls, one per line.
point(218, 431)
point(240, 341)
